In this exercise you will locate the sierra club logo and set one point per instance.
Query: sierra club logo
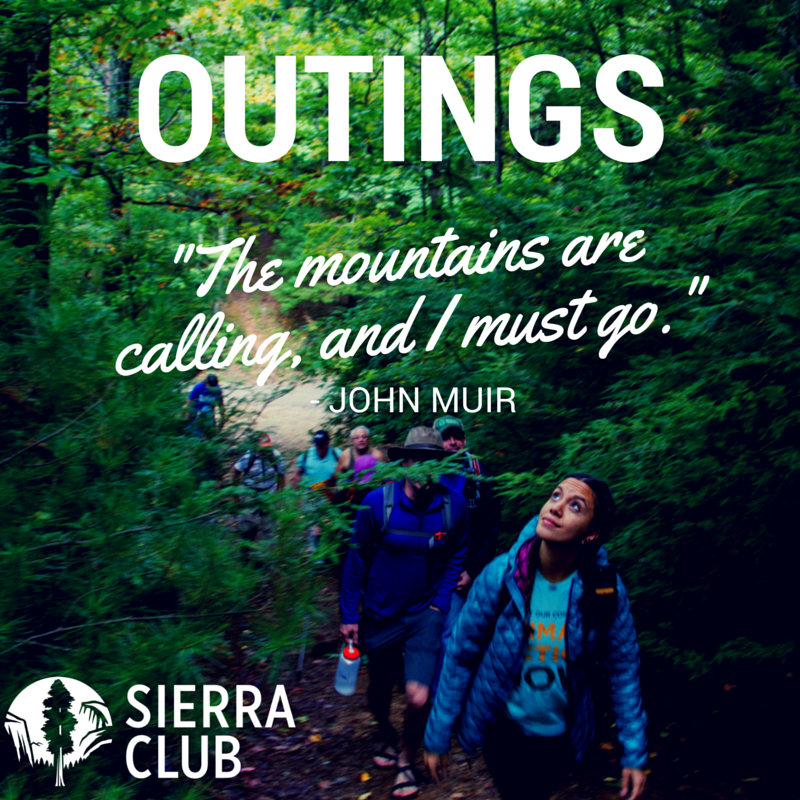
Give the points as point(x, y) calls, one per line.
point(59, 722)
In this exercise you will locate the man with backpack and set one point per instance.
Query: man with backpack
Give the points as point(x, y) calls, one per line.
point(484, 514)
point(407, 553)
point(262, 470)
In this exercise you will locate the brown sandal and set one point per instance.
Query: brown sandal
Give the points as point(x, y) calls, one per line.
point(382, 751)
point(406, 784)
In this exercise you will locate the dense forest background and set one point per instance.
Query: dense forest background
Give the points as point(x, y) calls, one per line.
point(114, 569)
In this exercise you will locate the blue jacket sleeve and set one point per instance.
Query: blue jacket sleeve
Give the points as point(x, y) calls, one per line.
point(358, 563)
point(455, 565)
point(467, 645)
point(622, 667)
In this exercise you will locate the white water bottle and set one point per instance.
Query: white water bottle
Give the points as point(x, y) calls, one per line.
point(347, 670)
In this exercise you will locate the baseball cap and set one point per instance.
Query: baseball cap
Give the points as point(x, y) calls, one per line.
point(264, 440)
point(448, 421)
point(321, 436)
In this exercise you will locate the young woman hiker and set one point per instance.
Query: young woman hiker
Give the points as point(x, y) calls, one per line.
point(518, 667)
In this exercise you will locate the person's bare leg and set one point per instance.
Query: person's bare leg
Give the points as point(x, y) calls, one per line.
point(416, 712)
point(379, 695)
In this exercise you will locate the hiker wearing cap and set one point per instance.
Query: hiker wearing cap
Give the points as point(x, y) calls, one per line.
point(484, 514)
point(203, 400)
point(360, 446)
point(318, 463)
point(262, 470)
point(407, 552)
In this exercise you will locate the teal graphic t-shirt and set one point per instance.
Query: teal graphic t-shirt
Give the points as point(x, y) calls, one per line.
point(539, 703)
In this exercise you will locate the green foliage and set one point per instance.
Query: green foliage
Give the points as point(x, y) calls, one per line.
point(115, 562)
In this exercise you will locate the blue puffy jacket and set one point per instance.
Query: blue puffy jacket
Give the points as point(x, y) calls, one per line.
point(483, 662)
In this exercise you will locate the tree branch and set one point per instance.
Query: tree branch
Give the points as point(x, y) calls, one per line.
point(49, 436)
point(120, 619)
point(176, 204)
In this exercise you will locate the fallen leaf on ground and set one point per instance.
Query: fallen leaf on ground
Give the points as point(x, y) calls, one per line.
point(364, 796)
point(607, 746)
point(314, 738)
point(324, 784)
point(365, 776)
point(246, 769)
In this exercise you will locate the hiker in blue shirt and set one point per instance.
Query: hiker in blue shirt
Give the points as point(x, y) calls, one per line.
point(318, 463)
point(202, 403)
point(407, 553)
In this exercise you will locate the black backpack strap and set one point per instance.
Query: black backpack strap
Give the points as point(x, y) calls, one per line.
point(600, 595)
point(604, 580)
point(502, 604)
point(388, 505)
point(447, 512)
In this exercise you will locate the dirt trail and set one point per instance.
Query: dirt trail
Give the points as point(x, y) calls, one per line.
point(290, 417)
point(327, 756)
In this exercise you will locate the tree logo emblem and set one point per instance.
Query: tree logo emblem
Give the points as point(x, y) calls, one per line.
point(58, 722)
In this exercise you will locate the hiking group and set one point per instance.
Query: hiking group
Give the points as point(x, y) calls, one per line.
point(504, 652)
point(499, 651)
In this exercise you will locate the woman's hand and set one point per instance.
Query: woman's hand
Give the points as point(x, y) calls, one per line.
point(437, 766)
point(633, 781)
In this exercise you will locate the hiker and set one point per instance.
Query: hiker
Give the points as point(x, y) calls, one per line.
point(201, 406)
point(407, 551)
point(360, 446)
point(262, 470)
point(318, 463)
point(484, 515)
point(518, 667)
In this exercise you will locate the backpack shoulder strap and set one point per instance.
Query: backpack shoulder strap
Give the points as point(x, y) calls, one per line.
point(447, 511)
point(503, 601)
point(388, 504)
point(601, 591)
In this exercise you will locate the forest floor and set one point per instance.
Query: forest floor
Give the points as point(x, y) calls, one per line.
point(328, 755)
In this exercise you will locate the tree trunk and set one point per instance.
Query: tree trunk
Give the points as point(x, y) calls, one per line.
point(24, 95)
point(119, 107)
point(498, 100)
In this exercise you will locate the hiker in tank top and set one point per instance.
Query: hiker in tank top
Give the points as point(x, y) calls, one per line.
point(359, 446)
